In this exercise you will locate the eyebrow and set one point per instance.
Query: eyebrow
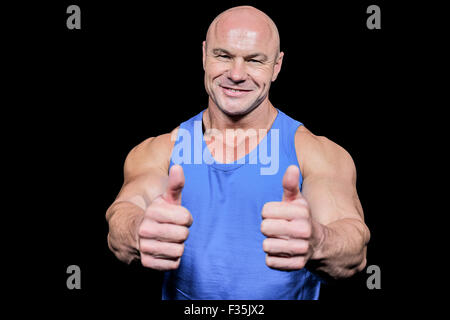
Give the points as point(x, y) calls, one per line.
point(218, 51)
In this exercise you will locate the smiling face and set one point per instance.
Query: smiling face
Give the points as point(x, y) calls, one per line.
point(241, 58)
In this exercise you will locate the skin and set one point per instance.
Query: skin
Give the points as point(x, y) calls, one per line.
point(321, 228)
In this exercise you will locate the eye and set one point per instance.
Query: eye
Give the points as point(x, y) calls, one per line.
point(254, 61)
point(224, 56)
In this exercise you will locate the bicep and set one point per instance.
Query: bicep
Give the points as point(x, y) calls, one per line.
point(146, 171)
point(329, 181)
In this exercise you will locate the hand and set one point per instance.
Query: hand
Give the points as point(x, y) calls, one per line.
point(288, 227)
point(164, 227)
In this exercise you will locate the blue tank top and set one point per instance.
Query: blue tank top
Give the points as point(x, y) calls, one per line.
point(223, 257)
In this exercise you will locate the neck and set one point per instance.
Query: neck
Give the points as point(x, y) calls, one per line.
point(261, 117)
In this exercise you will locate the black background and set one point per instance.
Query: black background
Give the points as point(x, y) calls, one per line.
point(134, 71)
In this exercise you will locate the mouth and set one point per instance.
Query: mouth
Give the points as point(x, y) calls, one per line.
point(234, 92)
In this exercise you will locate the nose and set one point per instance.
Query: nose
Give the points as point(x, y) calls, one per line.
point(237, 72)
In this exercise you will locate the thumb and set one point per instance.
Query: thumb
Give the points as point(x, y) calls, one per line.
point(291, 190)
point(175, 185)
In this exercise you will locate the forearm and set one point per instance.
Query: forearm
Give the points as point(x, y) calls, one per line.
point(124, 218)
point(341, 249)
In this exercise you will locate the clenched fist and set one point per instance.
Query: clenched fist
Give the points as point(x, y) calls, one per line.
point(164, 227)
point(288, 226)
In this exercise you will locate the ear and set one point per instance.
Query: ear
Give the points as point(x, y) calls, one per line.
point(204, 53)
point(277, 67)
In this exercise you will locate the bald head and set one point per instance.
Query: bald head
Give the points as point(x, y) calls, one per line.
point(241, 58)
point(244, 25)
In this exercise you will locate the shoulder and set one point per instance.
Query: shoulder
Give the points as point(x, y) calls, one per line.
point(152, 153)
point(319, 155)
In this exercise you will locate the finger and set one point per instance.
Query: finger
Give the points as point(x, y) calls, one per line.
point(291, 190)
point(285, 248)
point(283, 210)
point(169, 213)
point(278, 228)
point(149, 261)
point(163, 231)
point(175, 185)
point(285, 263)
point(161, 250)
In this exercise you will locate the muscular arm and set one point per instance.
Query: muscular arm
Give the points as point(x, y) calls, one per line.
point(329, 186)
point(145, 177)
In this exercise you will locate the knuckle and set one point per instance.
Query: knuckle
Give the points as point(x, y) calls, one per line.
point(146, 261)
point(179, 249)
point(266, 245)
point(302, 247)
point(297, 247)
point(267, 208)
point(301, 229)
point(140, 231)
point(142, 246)
point(185, 234)
point(362, 265)
point(176, 264)
point(186, 218)
point(141, 228)
point(295, 230)
point(263, 222)
point(266, 225)
point(307, 230)
point(264, 210)
point(299, 263)
point(304, 212)
point(146, 230)
point(164, 214)
point(149, 261)
point(292, 263)
point(177, 233)
point(172, 265)
point(291, 252)
point(151, 211)
point(147, 247)
point(269, 261)
point(300, 211)
point(291, 249)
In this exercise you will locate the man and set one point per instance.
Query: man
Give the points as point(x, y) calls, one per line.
point(224, 225)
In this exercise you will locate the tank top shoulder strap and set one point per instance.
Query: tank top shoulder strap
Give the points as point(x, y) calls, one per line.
point(187, 130)
point(189, 124)
point(287, 128)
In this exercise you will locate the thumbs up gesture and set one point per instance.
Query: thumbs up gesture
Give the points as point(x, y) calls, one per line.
point(287, 226)
point(164, 227)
